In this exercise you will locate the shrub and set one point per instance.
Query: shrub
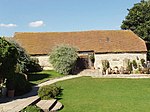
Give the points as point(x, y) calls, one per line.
point(105, 64)
point(143, 63)
point(8, 57)
point(134, 64)
point(63, 58)
point(25, 62)
point(137, 72)
point(148, 52)
point(92, 58)
point(33, 66)
point(23, 56)
point(129, 67)
point(8, 61)
point(49, 91)
point(31, 109)
point(22, 86)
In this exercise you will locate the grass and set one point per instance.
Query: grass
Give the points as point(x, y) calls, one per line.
point(31, 108)
point(86, 94)
point(39, 77)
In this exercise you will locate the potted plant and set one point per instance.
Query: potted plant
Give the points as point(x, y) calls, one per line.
point(105, 64)
point(3, 87)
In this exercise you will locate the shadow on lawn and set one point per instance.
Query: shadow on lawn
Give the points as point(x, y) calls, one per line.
point(36, 77)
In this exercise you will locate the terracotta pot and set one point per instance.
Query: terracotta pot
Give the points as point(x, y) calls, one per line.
point(11, 93)
point(1, 81)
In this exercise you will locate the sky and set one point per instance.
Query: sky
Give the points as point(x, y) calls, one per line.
point(61, 15)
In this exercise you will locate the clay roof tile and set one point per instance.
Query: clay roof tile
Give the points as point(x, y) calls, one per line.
point(99, 41)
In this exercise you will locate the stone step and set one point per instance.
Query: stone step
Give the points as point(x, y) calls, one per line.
point(46, 105)
point(89, 72)
point(57, 107)
point(23, 104)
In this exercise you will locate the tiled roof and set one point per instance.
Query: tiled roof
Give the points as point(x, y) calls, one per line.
point(98, 41)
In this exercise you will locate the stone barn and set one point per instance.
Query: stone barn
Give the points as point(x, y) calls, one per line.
point(112, 45)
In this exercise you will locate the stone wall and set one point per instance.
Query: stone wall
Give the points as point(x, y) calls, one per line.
point(116, 59)
point(44, 62)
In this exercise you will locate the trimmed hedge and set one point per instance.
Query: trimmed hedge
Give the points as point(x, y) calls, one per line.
point(49, 91)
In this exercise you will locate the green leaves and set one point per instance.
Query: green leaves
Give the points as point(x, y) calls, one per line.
point(8, 57)
point(138, 20)
point(49, 91)
point(63, 58)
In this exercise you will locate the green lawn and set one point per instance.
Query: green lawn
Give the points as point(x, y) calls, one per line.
point(39, 77)
point(86, 94)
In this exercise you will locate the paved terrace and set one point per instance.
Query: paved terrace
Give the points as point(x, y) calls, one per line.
point(18, 103)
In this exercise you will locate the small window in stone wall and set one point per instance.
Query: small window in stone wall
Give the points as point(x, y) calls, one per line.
point(115, 59)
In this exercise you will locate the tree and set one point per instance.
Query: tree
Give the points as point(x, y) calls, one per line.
point(138, 20)
point(23, 58)
point(63, 58)
point(25, 62)
point(8, 57)
point(8, 61)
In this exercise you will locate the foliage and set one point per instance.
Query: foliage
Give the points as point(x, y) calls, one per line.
point(148, 52)
point(137, 72)
point(8, 61)
point(63, 58)
point(105, 64)
point(25, 62)
point(33, 66)
point(143, 62)
point(134, 64)
point(23, 59)
point(31, 109)
point(49, 91)
point(92, 58)
point(8, 58)
point(22, 86)
point(138, 20)
point(129, 67)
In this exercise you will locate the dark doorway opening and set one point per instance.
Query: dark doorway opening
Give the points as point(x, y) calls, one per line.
point(83, 62)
